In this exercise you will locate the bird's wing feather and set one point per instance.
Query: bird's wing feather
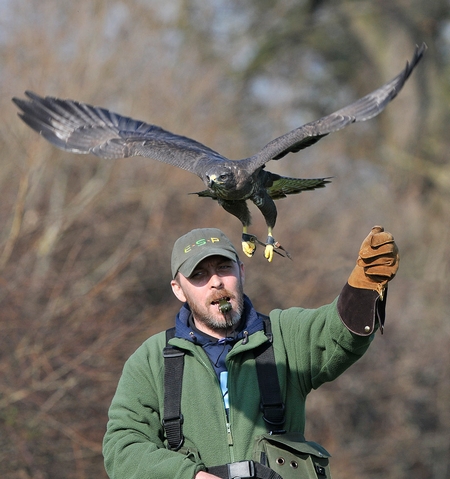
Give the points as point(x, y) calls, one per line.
point(205, 194)
point(361, 110)
point(281, 186)
point(82, 128)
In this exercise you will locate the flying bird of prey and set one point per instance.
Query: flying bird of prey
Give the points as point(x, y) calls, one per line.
point(81, 128)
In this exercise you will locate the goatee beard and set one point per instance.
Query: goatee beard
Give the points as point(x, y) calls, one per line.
point(221, 322)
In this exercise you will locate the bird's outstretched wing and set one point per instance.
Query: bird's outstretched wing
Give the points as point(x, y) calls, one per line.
point(361, 110)
point(283, 186)
point(82, 128)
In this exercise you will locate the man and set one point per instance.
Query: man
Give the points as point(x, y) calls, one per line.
point(218, 330)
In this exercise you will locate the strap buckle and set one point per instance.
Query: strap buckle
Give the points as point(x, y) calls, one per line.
point(241, 470)
point(179, 419)
point(172, 426)
point(273, 414)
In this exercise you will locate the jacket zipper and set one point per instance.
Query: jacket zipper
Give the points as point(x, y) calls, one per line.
point(230, 441)
point(227, 421)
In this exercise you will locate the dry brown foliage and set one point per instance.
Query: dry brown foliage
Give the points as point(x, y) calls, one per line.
point(85, 243)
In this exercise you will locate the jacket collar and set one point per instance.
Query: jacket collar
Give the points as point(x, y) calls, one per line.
point(185, 328)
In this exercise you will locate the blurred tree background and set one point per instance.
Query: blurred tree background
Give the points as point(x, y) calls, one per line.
point(85, 243)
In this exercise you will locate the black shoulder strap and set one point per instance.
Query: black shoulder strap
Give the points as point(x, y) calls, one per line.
point(173, 378)
point(272, 404)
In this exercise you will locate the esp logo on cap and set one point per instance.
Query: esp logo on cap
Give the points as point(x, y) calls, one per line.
point(200, 242)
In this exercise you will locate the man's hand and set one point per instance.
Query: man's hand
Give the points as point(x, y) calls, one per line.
point(377, 262)
point(205, 475)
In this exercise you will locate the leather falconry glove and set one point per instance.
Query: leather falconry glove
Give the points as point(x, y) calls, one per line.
point(377, 262)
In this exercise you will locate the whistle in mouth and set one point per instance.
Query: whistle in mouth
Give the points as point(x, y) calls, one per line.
point(224, 306)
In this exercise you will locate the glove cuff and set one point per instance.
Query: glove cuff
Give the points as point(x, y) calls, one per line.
point(361, 310)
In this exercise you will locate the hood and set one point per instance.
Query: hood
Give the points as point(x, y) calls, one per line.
point(217, 349)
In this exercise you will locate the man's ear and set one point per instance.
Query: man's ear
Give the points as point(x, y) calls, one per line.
point(242, 271)
point(177, 291)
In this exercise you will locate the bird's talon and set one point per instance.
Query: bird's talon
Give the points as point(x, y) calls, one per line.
point(248, 243)
point(249, 248)
point(268, 252)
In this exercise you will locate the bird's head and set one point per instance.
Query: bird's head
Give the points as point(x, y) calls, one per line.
point(220, 179)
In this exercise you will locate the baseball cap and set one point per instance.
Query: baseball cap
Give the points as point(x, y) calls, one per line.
point(197, 245)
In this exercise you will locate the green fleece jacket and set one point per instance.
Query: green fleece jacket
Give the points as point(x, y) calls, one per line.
point(312, 346)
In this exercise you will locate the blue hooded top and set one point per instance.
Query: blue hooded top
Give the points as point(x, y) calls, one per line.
point(217, 349)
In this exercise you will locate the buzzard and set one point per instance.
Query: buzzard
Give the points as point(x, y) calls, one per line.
point(82, 128)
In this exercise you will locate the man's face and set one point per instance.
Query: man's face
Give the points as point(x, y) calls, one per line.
point(213, 279)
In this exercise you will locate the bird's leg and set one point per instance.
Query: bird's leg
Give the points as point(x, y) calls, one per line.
point(241, 211)
point(267, 207)
point(272, 246)
point(268, 252)
point(248, 242)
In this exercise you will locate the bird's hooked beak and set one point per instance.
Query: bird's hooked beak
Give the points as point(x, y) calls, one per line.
point(211, 180)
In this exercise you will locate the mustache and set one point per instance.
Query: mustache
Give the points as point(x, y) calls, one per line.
point(220, 295)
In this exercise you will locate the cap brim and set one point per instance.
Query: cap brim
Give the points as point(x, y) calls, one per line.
point(187, 268)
